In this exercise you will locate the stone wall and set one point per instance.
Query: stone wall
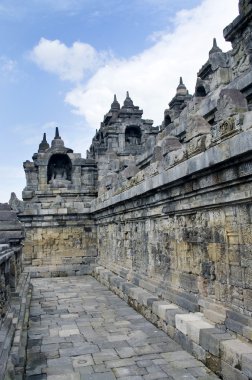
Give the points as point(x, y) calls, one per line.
point(188, 229)
point(60, 250)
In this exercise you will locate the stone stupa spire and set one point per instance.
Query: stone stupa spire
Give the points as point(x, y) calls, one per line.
point(181, 89)
point(115, 106)
point(43, 146)
point(215, 48)
point(57, 141)
point(128, 103)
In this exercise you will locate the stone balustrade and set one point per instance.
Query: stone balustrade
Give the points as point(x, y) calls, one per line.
point(13, 290)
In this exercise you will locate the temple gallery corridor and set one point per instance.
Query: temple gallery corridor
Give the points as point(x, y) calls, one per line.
point(78, 329)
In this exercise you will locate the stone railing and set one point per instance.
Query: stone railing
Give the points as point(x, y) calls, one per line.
point(11, 235)
point(13, 292)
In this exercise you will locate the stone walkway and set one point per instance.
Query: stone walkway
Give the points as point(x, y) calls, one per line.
point(78, 329)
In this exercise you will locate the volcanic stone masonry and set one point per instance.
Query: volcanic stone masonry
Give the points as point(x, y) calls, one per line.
point(162, 215)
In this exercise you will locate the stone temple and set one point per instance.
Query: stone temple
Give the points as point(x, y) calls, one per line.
point(159, 215)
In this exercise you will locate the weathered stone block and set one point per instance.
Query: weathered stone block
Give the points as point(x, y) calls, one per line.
point(248, 299)
point(170, 316)
point(210, 340)
point(231, 373)
point(232, 351)
point(246, 364)
point(214, 316)
point(194, 328)
point(182, 321)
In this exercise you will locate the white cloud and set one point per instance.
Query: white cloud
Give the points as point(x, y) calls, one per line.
point(69, 63)
point(8, 67)
point(152, 76)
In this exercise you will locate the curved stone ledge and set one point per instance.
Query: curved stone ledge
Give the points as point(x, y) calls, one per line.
point(231, 148)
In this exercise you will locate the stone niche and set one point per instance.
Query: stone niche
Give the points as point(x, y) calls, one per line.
point(57, 170)
point(60, 235)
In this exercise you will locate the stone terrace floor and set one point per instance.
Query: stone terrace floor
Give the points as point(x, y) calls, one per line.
point(78, 329)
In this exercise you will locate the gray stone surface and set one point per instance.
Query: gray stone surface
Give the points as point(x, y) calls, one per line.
point(78, 329)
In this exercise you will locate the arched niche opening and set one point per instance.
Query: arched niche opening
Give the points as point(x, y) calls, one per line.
point(133, 135)
point(167, 120)
point(200, 91)
point(59, 168)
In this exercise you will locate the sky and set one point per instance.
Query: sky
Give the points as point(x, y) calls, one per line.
point(61, 62)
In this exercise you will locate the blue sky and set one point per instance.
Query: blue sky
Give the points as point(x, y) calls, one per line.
point(61, 61)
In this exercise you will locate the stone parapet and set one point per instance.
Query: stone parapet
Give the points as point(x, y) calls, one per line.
point(14, 332)
point(232, 148)
point(11, 236)
point(12, 282)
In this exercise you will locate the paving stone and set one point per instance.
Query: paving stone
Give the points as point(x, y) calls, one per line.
point(82, 361)
point(176, 356)
point(199, 372)
point(129, 370)
point(69, 376)
point(49, 347)
point(125, 352)
point(131, 378)
point(76, 351)
point(58, 370)
point(99, 376)
point(144, 363)
point(119, 363)
point(177, 373)
point(105, 355)
point(68, 332)
point(100, 368)
point(155, 376)
point(86, 370)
